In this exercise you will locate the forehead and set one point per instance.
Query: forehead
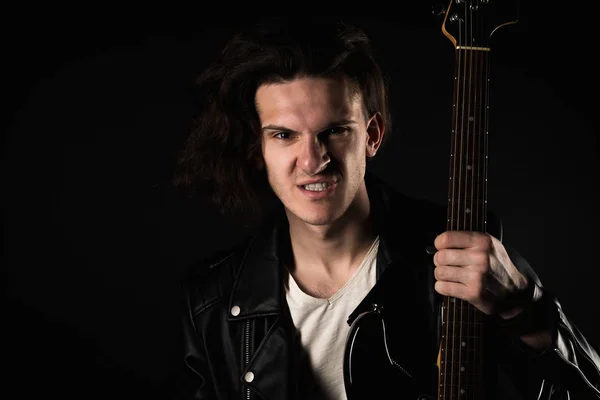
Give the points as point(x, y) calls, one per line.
point(307, 99)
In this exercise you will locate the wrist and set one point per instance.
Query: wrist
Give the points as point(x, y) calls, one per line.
point(530, 317)
point(521, 302)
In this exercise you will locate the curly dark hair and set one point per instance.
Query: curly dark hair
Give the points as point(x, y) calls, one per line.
point(221, 154)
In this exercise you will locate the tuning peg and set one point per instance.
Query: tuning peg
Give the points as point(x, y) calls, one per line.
point(438, 9)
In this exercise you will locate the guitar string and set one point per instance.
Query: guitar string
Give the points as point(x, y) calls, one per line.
point(478, 326)
point(453, 204)
point(485, 167)
point(480, 199)
point(450, 225)
point(462, 187)
point(467, 130)
point(471, 319)
point(459, 157)
point(474, 135)
point(468, 205)
point(464, 181)
point(456, 202)
point(442, 389)
point(474, 336)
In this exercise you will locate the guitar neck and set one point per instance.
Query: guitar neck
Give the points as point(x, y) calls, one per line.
point(461, 351)
point(468, 25)
point(467, 186)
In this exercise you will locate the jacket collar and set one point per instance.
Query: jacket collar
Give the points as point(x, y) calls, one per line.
point(258, 288)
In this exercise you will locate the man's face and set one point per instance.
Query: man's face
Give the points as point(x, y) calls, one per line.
point(314, 133)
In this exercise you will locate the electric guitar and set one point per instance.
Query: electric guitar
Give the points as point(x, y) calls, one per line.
point(468, 25)
point(371, 368)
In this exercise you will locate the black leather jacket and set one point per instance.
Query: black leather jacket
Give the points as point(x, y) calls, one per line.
point(240, 341)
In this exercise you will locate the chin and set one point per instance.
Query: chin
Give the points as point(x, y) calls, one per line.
point(317, 218)
point(325, 213)
point(318, 221)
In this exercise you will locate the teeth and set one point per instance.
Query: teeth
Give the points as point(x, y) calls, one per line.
point(316, 187)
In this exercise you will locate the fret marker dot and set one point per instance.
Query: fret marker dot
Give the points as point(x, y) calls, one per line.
point(468, 210)
point(463, 344)
point(462, 391)
point(469, 167)
point(462, 368)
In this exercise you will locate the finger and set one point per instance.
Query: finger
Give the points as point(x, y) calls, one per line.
point(460, 257)
point(475, 295)
point(463, 240)
point(452, 274)
point(452, 289)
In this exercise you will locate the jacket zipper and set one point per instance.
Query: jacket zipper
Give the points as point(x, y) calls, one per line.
point(247, 352)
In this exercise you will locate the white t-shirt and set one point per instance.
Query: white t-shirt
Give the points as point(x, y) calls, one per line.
point(323, 326)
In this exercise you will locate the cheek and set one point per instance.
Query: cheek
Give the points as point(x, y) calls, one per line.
point(278, 165)
point(350, 154)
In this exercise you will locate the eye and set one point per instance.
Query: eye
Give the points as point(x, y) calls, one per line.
point(282, 135)
point(338, 130)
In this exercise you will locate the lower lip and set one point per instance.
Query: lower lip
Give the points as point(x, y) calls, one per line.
point(318, 194)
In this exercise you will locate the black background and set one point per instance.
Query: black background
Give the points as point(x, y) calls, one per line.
point(99, 101)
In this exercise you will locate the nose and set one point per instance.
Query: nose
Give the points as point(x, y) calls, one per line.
point(313, 157)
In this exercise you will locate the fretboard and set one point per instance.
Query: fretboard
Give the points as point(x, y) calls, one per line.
point(461, 348)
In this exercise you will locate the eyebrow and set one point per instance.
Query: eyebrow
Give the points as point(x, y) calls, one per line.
point(329, 126)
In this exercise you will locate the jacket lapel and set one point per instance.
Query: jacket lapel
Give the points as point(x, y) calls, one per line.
point(258, 297)
point(258, 286)
point(259, 292)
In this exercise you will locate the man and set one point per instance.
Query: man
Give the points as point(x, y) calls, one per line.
point(296, 110)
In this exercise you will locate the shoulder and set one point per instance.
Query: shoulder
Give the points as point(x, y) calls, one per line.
point(209, 280)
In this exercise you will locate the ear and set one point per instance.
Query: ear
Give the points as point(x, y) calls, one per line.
point(375, 131)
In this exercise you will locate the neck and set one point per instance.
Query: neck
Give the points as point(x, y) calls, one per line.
point(334, 250)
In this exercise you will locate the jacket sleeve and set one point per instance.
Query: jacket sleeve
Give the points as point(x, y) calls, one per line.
point(570, 368)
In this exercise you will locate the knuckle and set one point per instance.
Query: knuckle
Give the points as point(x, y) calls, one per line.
point(436, 258)
point(483, 258)
point(476, 290)
point(438, 273)
point(487, 241)
point(443, 238)
point(482, 268)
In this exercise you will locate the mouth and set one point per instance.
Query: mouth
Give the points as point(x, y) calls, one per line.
point(319, 189)
point(317, 186)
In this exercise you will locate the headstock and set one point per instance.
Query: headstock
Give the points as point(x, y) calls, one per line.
point(471, 23)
